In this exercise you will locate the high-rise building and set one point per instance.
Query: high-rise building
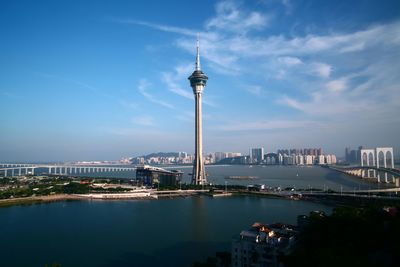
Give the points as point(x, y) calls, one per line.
point(220, 156)
point(347, 154)
point(280, 159)
point(309, 160)
point(299, 159)
point(328, 159)
point(333, 159)
point(182, 155)
point(256, 155)
point(198, 81)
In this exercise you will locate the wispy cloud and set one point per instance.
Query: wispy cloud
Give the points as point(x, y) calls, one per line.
point(161, 27)
point(321, 69)
point(266, 125)
point(144, 120)
point(230, 17)
point(173, 79)
point(186, 116)
point(346, 75)
point(290, 61)
point(129, 105)
point(143, 89)
point(337, 85)
point(253, 89)
point(288, 6)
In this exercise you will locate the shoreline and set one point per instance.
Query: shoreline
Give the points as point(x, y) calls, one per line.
point(85, 197)
point(326, 199)
point(38, 199)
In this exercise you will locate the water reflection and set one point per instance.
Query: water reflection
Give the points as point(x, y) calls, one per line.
point(199, 218)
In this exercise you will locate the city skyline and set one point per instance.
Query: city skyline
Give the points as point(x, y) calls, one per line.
point(85, 82)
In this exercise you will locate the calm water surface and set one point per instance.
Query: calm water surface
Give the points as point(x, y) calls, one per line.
point(284, 176)
point(165, 232)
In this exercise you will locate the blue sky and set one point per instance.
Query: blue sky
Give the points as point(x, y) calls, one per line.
point(95, 80)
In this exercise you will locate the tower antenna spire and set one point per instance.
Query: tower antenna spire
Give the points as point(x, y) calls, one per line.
point(198, 54)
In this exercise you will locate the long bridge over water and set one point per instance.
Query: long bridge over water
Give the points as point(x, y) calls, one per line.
point(375, 164)
point(17, 169)
point(373, 173)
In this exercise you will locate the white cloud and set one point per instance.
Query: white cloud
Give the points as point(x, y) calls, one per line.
point(173, 79)
point(160, 27)
point(265, 125)
point(186, 116)
point(223, 43)
point(288, 5)
point(127, 104)
point(290, 102)
point(142, 88)
point(253, 89)
point(290, 61)
point(338, 85)
point(359, 69)
point(231, 17)
point(144, 120)
point(321, 69)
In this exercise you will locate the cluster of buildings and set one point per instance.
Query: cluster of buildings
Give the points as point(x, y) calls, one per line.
point(182, 158)
point(306, 156)
point(298, 159)
point(353, 155)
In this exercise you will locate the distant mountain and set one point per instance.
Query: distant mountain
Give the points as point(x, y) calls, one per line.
point(162, 154)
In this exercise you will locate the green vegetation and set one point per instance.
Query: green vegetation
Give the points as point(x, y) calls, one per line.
point(75, 188)
point(29, 186)
point(351, 236)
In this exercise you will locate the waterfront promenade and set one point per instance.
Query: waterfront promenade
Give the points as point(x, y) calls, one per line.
point(155, 194)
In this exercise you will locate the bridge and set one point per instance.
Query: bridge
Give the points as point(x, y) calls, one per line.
point(374, 173)
point(17, 169)
point(375, 164)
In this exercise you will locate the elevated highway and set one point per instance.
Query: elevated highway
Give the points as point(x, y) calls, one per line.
point(7, 169)
point(380, 174)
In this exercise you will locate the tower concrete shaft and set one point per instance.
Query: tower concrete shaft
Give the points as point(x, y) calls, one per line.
point(198, 81)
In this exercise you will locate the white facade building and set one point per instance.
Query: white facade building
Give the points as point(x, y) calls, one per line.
point(321, 159)
point(309, 160)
